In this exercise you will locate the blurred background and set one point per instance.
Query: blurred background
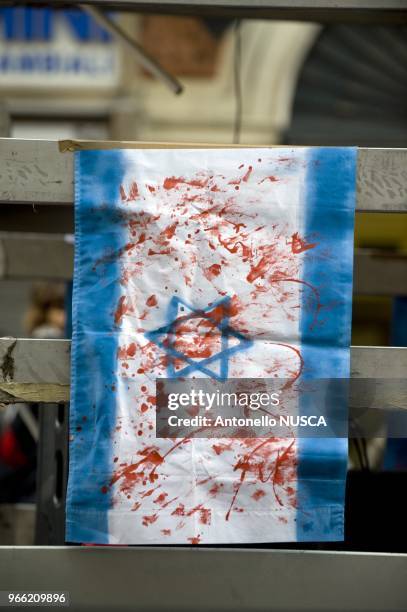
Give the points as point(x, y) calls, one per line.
point(62, 76)
point(259, 82)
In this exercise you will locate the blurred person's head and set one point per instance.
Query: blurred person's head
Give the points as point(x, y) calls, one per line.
point(45, 317)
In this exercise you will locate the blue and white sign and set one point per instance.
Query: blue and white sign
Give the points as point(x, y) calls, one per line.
point(42, 48)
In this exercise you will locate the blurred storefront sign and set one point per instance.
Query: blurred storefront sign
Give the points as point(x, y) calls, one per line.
point(43, 48)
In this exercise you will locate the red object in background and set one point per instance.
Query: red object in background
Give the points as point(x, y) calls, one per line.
point(10, 451)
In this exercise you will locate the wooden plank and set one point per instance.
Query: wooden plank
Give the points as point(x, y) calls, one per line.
point(377, 272)
point(41, 256)
point(324, 11)
point(39, 370)
point(382, 180)
point(35, 172)
point(167, 578)
point(45, 256)
point(17, 524)
point(34, 370)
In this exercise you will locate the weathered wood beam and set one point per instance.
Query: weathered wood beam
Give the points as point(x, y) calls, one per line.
point(36, 256)
point(377, 272)
point(210, 579)
point(36, 172)
point(47, 256)
point(39, 370)
point(34, 370)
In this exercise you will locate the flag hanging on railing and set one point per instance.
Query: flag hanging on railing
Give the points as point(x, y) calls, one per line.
point(206, 263)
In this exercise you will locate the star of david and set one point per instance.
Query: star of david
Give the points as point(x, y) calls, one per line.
point(217, 365)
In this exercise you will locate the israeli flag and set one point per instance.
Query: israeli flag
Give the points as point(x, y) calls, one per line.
point(218, 263)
